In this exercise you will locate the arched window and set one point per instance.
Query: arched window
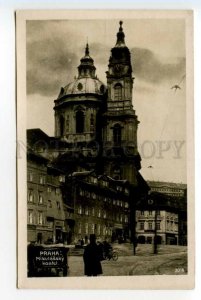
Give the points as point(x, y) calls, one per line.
point(67, 123)
point(117, 134)
point(79, 121)
point(61, 126)
point(92, 123)
point(118, 91)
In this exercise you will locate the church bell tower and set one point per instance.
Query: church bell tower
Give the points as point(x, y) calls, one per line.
point(121, 157)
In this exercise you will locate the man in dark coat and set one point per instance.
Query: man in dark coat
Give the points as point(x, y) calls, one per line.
point(92, 257)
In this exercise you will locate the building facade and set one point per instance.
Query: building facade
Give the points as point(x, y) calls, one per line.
point(101, 206)
point(36, 197)
point(162, 217)
point(168, 188)
point(162, 223)
point(46, 213)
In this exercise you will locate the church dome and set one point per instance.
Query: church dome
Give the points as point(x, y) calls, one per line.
point(86, 82)
point(83, 86)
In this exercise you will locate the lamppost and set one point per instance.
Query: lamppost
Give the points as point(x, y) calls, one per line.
point(155, 233)
point(135, 200)
point(152, 203)
point(132, 206)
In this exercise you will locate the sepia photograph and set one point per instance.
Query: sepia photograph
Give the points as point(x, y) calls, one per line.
point(105, 149)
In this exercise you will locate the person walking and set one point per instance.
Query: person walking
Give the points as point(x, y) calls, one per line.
point(92, 258)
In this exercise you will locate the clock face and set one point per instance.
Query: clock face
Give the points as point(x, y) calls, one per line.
point(118, 68)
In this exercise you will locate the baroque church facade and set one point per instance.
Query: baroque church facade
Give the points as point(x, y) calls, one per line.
point(89, 113)
point(95, 150)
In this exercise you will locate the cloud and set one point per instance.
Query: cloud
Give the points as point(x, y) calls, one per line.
point(54, 52)
point(148, 67)
point(49, 65)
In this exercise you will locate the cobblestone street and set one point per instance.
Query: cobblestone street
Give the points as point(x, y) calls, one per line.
point(170, 260)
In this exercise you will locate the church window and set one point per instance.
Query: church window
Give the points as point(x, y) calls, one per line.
point(92, 122)
point(80, 86)
point(79, 121)
point(117, 134)
point(61, 126)
point(118, 91)
point(67, 124)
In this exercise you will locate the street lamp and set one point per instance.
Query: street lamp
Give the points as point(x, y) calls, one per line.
point(151, 202)
point(155, 234)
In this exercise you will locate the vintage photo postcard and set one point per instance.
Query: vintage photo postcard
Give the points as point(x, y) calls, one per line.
point(105, 149)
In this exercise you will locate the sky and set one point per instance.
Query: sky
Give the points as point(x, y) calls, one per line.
point(158, 58)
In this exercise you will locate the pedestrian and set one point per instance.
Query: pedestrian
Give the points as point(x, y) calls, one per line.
point(92, 258)
point(82, 242)
point(101, 249)
point(107, 248)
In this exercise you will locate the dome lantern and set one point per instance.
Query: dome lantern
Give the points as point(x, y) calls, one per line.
point(86, 67)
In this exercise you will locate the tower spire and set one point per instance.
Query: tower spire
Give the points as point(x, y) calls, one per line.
point(87, 49)
point(120, 36)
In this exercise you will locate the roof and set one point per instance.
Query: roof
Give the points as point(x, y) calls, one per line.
point(36, 134)
point(167, 184)
point(84, 85)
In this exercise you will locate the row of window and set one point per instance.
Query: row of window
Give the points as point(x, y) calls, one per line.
point(41, 179)
point(101, 214)
point(167, 190)
point(171, 226)
point(94, 196)
point(31, 197)
point(150, 213)
point(34, 195)
point(151, 226)
point(90, 228)
point(105, 183)
point(36, 218)
point(79, 123)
